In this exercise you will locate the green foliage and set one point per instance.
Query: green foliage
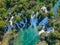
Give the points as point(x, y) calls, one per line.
point(57, 35)
point(2, 24)
point(23, 11)
point(29, 12)
point(57, 27)
point(54, 1)
point(51, 18)
point(57, 23)
point(49, 6)
point(18, 18)
point(43, 14)
point(42, 36)
point(26, 7)
point(51, 14)
point(40, 28)
point(51, 23)
point(36, 8)
point(58, 11)
point(22, 1)
point(2, 3)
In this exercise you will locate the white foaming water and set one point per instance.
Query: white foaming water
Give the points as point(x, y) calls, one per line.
point(44, 9)
point(11, 21)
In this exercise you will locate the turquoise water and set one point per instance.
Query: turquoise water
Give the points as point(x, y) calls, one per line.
point(27, 36)
point(55, 7)
point(30, 36)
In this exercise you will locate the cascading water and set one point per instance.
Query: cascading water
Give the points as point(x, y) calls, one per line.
point(30, 36)
point(9, 26)
point(33, 20)
point(44, 21)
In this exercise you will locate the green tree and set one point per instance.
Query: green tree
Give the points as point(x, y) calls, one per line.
point(2, 25)
point(18, 18)
point(56, 34)
point(42, 36)
point(51, 14)
point(49, 6)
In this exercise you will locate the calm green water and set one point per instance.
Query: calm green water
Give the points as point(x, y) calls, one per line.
point(27, 36)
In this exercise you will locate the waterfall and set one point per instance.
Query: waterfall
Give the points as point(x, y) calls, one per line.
point(30, 35)
point(44, 21)
point(33, 20)
point(9, 26)
point(11, 23)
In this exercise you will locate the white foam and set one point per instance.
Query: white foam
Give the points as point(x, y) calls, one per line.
point(44, 9)
point(41, 31)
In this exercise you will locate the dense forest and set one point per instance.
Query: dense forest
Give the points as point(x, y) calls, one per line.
point(18, 10)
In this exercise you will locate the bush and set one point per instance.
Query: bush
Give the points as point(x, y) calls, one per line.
point(2, 25)
point(18, 18)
